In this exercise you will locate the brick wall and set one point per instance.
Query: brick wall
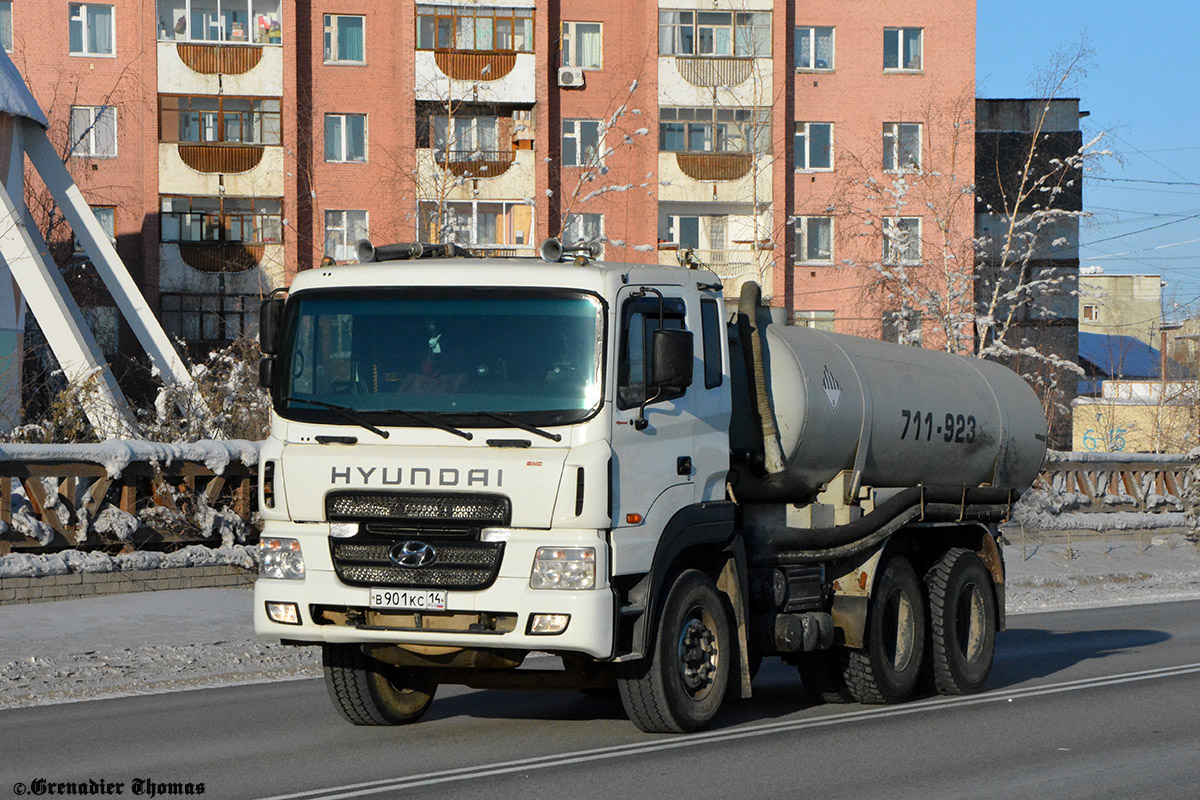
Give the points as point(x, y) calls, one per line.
point(90, 584)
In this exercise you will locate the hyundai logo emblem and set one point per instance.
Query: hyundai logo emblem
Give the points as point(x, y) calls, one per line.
point(412, 554)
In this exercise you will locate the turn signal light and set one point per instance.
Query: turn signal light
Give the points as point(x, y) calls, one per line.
point(633, 519)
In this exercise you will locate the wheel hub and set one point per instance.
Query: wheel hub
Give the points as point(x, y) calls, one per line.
point(698, 655)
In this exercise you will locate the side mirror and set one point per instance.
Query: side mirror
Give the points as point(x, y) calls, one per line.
point(266, 372)
point(269, 318)
point(673, 360)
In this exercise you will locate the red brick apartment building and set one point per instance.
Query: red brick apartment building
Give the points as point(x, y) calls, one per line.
point(229, 143)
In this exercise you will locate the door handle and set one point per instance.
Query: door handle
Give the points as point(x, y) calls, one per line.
point(683, 465)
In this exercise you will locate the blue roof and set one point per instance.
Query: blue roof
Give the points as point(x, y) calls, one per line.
point(15, 97)
point(1125, 357)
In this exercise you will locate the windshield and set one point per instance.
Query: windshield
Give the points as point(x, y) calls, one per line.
point(535, 356)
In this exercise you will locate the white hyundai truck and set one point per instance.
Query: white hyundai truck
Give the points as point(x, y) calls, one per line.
point(472, 460)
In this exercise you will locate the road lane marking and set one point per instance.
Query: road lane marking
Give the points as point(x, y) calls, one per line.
point(731, 734)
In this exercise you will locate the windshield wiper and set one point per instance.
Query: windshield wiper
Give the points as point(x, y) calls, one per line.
point(525, 426)
point(430, 421)
point(346, 413)
point(353, 416)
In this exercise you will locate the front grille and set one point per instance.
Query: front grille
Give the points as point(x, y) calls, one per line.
point(457, 509)
point(360, 561)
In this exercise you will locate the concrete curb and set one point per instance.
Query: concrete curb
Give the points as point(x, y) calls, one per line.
point(76, 585)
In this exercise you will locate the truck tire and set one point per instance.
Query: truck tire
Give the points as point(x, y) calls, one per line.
point(821, 674)
point(369, 692)
point(888, 668)
point(962, 622)
point(680, 688)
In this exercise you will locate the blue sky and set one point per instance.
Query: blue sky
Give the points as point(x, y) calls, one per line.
point(1143, 88)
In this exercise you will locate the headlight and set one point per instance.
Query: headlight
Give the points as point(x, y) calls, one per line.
point(280, 558)
point(564, 568)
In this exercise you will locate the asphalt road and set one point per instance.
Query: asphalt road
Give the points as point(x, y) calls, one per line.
point(1087, 704)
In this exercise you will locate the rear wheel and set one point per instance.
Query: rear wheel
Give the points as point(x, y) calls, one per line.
point(888, 667)
point(962, 622)
point(370, 692)
point(681, 686)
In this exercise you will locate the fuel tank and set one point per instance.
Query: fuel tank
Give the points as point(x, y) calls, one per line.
point(895, 415)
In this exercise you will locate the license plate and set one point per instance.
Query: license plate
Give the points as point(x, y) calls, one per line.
point(417, 600)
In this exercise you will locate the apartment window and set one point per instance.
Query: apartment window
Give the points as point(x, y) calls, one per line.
point(221, 220)
point(902, 49)
point(1091, 313)
point(345, 137)
point(343, 231)
point(902, 326)
point(209, 317)
point(344, 39)
point(107, 217)
point(477, 223)
point(697, 232)
point(814, 48)
point(902, 240)
point(714, 33)
point(583, 228)
point(581, 143)
point(901, 146)
point(201, 119)
point(91, 29)
point(720, 130)
point(466, 137)
point(474, 28)
point(821, 320)
point(582, 45)
point(93, 131)
point(6, 38)
point(813, 145)
point(232, 21)
point(814, 240)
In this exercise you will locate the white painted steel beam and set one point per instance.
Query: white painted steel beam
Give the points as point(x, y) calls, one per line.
point(62, 323)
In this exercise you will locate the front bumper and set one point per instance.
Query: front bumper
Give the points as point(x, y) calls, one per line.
point(331, 611)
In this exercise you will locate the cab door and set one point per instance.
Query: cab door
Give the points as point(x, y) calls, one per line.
point(652, 468)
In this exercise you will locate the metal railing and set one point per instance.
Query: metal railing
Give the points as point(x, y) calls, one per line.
point(1107, 482)
point(126, 495)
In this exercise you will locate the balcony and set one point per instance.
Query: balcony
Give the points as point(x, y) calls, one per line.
point(211, 69)
point(221, 158)
point(221, 256)
point(475, 163)
point(219, 59)
point(475, 76)
point(486, 175)
point(714, 71)
point(715, 166)
point(475, 65)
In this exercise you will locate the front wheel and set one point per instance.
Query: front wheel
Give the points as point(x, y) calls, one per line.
point(962, 622)
point(370, 692)
point(680, 687)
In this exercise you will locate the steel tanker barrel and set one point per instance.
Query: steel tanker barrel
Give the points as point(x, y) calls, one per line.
point(895, 416)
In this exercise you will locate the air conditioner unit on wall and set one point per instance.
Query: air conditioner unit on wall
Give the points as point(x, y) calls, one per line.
point(570, 77)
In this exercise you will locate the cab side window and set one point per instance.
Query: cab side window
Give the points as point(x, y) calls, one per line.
point(712, 330)
point(639, 320)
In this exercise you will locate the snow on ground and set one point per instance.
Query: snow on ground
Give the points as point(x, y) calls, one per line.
point(118, 645)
